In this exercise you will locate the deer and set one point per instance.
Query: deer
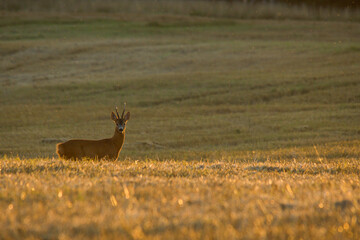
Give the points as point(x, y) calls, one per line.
point(108, 148)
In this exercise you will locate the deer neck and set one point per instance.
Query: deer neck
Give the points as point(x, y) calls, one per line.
point(118, 138)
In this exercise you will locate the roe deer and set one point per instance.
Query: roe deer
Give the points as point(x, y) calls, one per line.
point(108, 148)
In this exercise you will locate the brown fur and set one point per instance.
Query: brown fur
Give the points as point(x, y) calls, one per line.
point(108, 148)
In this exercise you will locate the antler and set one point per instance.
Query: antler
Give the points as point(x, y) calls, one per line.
point(117, 113)
point(122, 115)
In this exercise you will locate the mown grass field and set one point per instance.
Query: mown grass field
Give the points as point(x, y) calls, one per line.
point(239, 128)
point(293, 194)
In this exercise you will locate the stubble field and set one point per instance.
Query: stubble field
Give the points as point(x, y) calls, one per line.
point(239, 128)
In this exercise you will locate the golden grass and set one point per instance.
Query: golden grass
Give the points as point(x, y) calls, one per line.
point(239, 129)
point(300, 193)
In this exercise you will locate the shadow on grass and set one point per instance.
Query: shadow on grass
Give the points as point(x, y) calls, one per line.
point(301, 170)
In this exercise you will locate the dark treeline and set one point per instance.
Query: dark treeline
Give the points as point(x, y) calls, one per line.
point(351, 4)
point(325, 3)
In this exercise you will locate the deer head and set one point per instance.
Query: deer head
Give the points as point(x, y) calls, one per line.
point(120, 121)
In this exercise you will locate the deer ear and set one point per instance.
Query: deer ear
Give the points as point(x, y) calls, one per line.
point(127, 116)
point(113, 116)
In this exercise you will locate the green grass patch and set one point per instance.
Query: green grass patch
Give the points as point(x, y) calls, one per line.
point(190, 84)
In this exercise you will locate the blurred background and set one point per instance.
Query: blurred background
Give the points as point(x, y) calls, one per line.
point(267, 9)
point(200, 77)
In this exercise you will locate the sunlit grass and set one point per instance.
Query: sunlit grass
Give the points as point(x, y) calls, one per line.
point(239, 129)
point(290, 193)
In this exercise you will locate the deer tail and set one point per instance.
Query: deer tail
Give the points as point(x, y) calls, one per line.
point(60, 149)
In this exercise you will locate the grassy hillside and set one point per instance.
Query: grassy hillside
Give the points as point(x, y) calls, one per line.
point(192, 84)
point(239, 129)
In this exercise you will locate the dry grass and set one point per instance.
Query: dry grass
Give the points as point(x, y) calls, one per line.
point(293, 194)
point(239, 129)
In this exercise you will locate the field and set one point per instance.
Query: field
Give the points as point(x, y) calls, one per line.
point(239, 129)
point(294, 194)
